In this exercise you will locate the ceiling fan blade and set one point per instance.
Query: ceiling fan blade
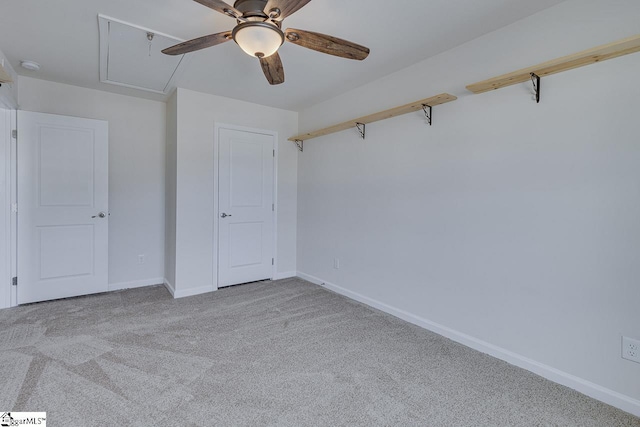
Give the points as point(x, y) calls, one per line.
point(199, 43)
point(327, 44)
point(273, 69)
point(221, 7)
point(287, 7)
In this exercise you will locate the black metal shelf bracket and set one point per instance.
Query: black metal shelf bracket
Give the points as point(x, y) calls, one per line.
point(300, 144)
point(428, 113)
point(535, 79)
point(362, 128)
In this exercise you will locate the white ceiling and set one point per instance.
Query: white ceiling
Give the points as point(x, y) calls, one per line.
point(62, 35)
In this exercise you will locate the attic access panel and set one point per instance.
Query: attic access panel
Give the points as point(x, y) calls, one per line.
point(128, 58)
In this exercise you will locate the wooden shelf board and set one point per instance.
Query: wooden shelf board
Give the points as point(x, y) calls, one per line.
point(590, 56)
point(4, 76)
point(398, 111)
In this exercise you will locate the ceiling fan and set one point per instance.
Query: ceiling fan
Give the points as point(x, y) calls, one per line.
point(258, 32)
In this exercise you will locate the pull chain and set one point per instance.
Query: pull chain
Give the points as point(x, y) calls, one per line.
point(150, 37)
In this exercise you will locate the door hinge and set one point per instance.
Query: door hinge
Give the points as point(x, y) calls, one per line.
point(274, 153)
point(14, 281)
point(273, 261)
point(14, 134)
point(14, 208)
point(273, 207)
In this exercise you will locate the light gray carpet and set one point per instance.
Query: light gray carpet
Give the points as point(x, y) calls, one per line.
point(285, 353)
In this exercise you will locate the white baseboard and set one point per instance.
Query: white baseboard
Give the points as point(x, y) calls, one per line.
point(187, 292)
point(603, 394)
point(285, 275)
point(169, 287)
point(193, 291)
point(135, 284)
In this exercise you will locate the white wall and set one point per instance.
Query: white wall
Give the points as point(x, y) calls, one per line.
point(170, 191)
point(510, 226)
point(8, 91)
point(136, 171)
point(197, 113)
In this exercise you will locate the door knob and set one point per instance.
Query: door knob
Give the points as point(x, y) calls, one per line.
point(224, 215)
point(101, 215)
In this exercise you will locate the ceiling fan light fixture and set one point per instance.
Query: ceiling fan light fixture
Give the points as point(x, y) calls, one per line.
point(258, 39)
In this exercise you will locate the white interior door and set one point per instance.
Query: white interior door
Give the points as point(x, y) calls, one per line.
point(63, 219)
point(245, 197)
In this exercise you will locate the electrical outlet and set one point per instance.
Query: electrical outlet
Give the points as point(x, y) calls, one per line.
point(631, 349)
point(140, 259)
point(336, 263)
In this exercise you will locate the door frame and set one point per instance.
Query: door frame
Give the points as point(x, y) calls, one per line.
point(14, 202)
point(8, 229)
point(216, 203)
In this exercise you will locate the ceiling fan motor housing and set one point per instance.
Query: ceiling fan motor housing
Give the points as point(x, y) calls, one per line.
point(252, 8)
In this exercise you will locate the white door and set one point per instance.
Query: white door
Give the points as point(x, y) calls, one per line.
point(63, 219)
point(245, 197)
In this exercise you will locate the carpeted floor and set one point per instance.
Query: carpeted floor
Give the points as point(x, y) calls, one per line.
point(281, 353)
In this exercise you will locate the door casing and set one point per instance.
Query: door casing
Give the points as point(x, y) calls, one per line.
point(6, 180)
point(8, 227)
